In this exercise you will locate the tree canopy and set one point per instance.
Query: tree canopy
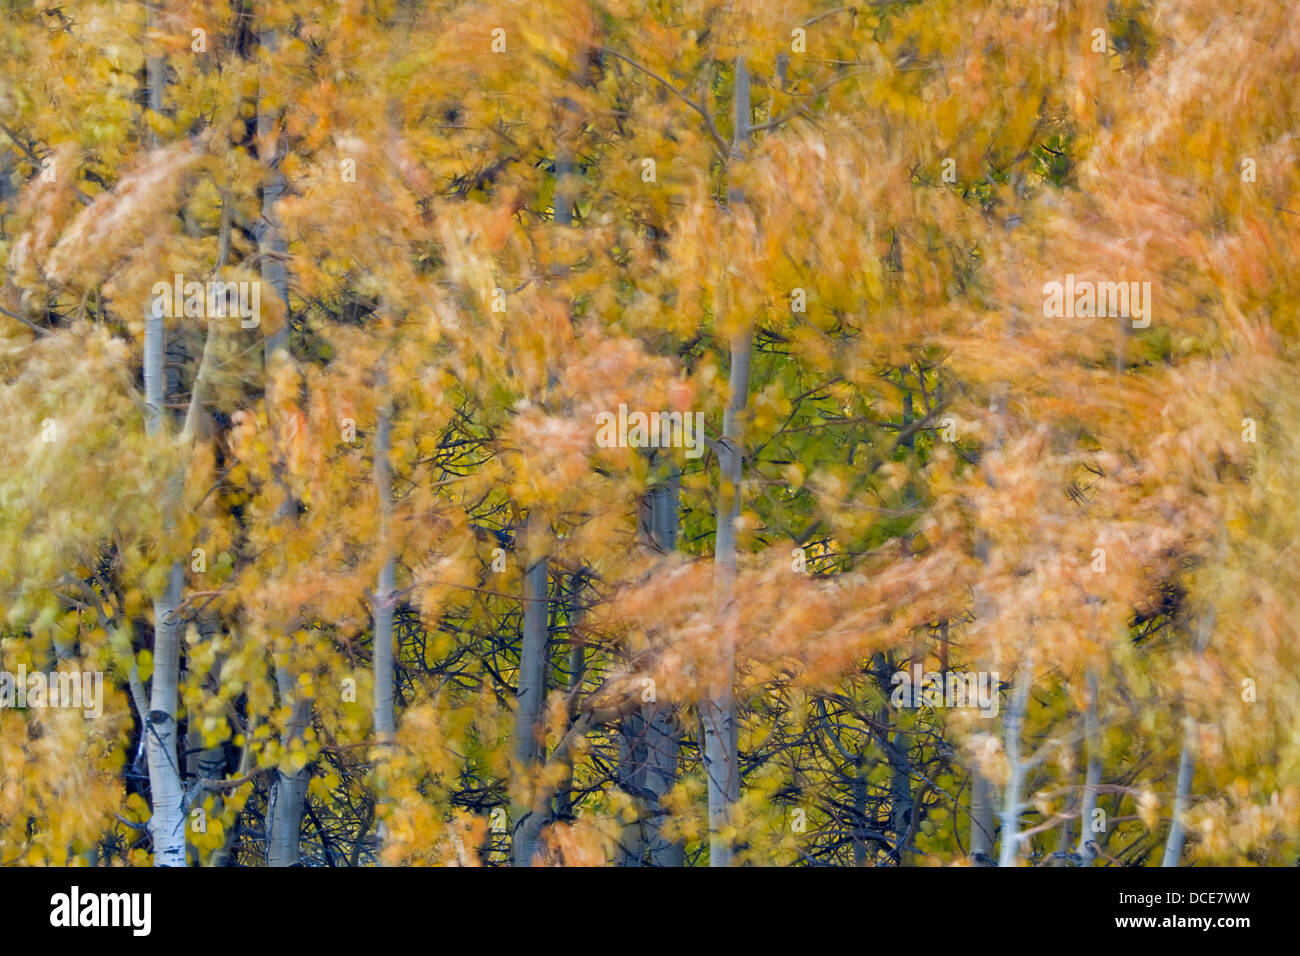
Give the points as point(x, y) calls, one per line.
point(662, 433)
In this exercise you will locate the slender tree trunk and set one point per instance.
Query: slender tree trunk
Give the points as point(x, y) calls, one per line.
point(1187, 760)
point(662, 747)
point(631, 764)
point(530, 697)
point(1016, 767)
point(648, 755)
point(1186, 768)
point(167, 824)
point(1092, 775)
point(167, 792)
point(209, 763)
point(384, 708)
point(900, 792)
point(718, 712)
point(288, 791)
point(385, 691)
point(564, 809)
point(272, 248)
point(649, 746)
point(563, 199)
point(166, 786)
point(982, 825)
point(662, 727)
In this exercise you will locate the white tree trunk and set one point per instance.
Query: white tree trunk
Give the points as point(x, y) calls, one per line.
point(982, 825)
point(1092, 775)
point(288, 790)
point(530, 697)
point(167, 824)
point(154, 347)
point(1016, 767)
point(1187, 759)
point(718, 712)
point(271, 246)
point(384, 708)
point(1186, 768)
point(385, 691)
point(166, 788)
